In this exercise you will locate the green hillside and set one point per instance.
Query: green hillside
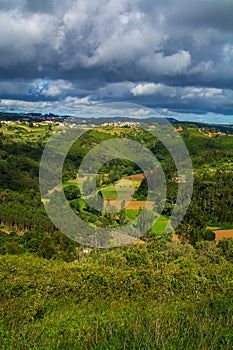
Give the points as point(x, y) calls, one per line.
point(163, 291)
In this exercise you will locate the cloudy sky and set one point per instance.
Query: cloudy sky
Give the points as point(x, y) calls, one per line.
point(67, 56)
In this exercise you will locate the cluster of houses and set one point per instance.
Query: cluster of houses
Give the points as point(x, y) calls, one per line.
point(212, 133)
point(121, 124)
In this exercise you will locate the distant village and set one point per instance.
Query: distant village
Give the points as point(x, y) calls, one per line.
point(51, 119)
point(36, 119)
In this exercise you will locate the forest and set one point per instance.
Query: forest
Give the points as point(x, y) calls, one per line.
point(166, 290)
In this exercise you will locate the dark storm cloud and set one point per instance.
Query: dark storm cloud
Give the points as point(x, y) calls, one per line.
point(43, 6)
point(166, 54)
point(209, 14)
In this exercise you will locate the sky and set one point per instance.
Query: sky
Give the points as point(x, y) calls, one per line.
point(70, 56)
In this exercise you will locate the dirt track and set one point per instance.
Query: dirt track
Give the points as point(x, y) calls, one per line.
point(133, 204)
point(135, 177)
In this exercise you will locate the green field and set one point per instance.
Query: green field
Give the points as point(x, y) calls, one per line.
point(109, 193)
point(131, 214)
point(25, 133)
point(160, 225)
point(69, 183)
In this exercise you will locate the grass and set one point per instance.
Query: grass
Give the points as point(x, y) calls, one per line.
point(69, 183)
point(160, 225)
point(24, 133)
point(131, 214)
point(109, 193)
point(135, 183)
point(124, 186)
point(84, 305)
point(130, 326)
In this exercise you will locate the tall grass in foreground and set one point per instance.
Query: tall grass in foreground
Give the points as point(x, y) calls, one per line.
point(181, 304)
point(124, 325)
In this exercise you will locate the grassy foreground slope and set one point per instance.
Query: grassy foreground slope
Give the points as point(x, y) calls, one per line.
point(155, 296)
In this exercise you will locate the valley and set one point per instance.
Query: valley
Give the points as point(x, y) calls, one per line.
point(167, 286)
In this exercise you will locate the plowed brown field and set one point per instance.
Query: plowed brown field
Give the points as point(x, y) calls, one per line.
point(135, 177)
point(219, 234)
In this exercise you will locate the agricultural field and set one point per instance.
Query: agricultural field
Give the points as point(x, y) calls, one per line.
point(26, 132)
point(221, 234)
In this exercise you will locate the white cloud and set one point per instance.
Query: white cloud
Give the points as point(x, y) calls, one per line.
point(205, 67)
point(69, 105)
point(19, 36)
point(193, 92)
point(228, 53)
point(114, 90)
point(50, 88)
point(107, 33)
point(58, 87)
point(162, 65)
point(148, 89)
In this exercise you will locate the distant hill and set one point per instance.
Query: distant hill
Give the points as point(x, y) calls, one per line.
point(37, 117)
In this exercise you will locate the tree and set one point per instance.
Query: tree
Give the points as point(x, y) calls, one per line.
point(88, 186)
point(225, 247)
point(11, 248)
point(122, 215)
point(72, 192)
point(142, 192)
point(96, 203)
point(192, 227)
point(47, 248)
point(208, 235)
point(75, 204)
point(145, 220)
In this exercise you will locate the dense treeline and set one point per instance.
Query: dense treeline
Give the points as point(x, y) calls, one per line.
point(213, 193)
point(19, 164)
point(49, 246)
point(154, 251)
point(24, 211)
